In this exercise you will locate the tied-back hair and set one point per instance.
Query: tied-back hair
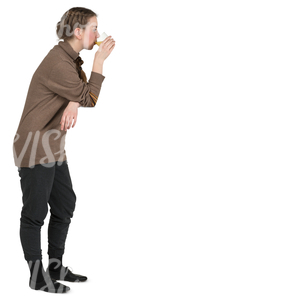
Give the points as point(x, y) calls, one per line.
point(76, 17)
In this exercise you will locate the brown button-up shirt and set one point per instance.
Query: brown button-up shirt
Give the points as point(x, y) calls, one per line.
point(39, 139)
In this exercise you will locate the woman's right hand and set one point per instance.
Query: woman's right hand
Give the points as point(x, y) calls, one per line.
point(105, 48)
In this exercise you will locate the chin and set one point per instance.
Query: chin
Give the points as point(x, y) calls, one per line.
point(89, 47)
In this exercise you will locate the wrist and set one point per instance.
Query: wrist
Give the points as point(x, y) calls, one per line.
point(98, 59)
point(73, 103)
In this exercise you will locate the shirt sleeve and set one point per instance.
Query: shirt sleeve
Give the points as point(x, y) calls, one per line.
point(64, 80)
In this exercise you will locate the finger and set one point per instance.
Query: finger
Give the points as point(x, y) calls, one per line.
point(69, 123)
point(106, 46)
point(112, 47)
point(62, 122)
point(106, 39)
point(66, 124)
point(75, 120)
point(110, 42)
point(109, 45)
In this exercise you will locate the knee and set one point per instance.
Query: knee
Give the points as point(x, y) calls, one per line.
point(34, 212)
point(66, 219)
point(63, 211)
point(32, 221)
point(72, 207)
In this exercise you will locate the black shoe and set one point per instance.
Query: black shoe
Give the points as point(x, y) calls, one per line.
point(48, 285)
point(66, 275)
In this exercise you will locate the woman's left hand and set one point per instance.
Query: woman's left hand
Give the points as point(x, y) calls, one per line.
point(69, 114)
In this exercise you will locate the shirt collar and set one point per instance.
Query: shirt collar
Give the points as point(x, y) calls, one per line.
point(68, 48)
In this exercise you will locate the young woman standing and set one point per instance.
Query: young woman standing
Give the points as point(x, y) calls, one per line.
point(58, 87)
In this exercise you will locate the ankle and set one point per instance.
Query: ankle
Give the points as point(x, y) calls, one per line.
point(36, 270)
point(55, 264)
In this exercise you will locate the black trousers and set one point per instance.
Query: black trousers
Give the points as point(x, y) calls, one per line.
point(41, 185)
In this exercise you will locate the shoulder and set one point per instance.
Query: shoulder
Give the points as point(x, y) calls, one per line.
point(58, 55)
point(55, 60)
point(59, 62)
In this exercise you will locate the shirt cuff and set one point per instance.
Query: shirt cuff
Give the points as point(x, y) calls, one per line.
point(96, 78)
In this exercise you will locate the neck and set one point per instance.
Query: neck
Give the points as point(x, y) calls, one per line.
point(75, 44)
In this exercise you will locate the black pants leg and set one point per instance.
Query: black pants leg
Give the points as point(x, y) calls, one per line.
point(43, 184)
point(62, 205)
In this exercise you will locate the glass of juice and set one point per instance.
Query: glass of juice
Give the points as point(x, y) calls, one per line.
point(102, 37)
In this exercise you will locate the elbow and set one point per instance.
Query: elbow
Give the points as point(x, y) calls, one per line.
point(93, 99)
point(89, 101)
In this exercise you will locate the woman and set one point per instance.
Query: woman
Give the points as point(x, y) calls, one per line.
point(58, 87)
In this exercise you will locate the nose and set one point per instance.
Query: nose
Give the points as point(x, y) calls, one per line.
point(98, 35)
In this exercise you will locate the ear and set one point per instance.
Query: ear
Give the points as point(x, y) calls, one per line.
point(78, 33)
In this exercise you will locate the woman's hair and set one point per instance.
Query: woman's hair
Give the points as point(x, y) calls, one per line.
point(76, 17)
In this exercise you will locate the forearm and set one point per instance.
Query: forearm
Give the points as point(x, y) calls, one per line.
point(98, 65)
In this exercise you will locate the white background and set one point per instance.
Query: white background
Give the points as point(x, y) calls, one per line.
point(187, 170)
